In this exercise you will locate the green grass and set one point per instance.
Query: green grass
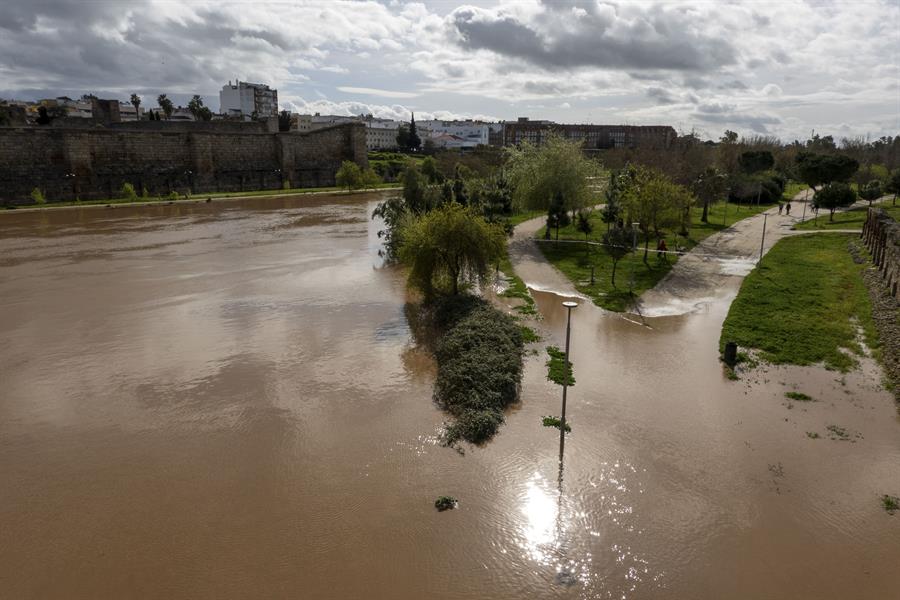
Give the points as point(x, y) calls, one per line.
point(552, 421)
point(517, 289)
point(850, 219)
point(798, 397)
point(575, 262)
point(520, 217)
point(792, 189)
point(802, 304)
point(204, 196)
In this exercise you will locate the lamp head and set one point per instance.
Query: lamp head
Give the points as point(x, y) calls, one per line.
point(570, 304)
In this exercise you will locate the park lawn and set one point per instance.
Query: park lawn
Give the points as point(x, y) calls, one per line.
point(803, 304)
point(849, 219)
point(574, 260)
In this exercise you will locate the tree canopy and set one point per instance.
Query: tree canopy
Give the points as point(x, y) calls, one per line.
point(165, 104)
point(833, 196)
point(822, 169)
point(558, 167)
point(754, 161)
point(450, 245)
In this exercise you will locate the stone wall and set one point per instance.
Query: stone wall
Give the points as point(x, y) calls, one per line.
point(94, 164)
point(881, 234)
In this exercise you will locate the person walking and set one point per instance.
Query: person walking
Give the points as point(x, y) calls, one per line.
point(661, 249)
point(787, 208)
point(780, 207)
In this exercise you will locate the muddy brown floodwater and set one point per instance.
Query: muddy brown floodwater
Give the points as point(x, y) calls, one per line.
point(224, 401)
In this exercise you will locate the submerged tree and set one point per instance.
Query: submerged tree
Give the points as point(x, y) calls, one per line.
point(448, 246)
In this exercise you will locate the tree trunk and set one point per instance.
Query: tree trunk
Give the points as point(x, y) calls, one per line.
point(615, 262)
point(705, 211)
point(831, 217)
point(646, 247)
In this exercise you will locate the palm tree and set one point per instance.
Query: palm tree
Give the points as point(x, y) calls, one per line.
point(136, 102)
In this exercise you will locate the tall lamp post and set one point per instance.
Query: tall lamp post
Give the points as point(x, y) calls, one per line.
point(562, 419)
point(634, 230)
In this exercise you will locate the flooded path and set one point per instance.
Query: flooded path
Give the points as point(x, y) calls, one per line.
point(223, 401)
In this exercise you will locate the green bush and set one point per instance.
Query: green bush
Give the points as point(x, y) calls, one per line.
point(37, 196)
point(479, 358)
point(128, 192)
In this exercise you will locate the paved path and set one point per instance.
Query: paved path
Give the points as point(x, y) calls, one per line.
point(714, 268)
point(529, 263)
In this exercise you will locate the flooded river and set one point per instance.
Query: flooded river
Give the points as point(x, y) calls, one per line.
point(224, 401)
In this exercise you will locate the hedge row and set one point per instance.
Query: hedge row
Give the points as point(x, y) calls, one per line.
point(479, 356)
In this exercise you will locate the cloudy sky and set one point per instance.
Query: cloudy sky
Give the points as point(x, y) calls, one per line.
point(782, 67)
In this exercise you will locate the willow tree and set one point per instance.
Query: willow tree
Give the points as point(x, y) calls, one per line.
point(448, 246)
point(656, 204)
point(540, 175)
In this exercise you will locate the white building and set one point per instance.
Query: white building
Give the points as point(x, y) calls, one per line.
point(381, 134)
point(244, 99)
point(457, 134)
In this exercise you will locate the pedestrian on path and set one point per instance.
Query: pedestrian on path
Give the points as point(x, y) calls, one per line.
point(780, 207)
point(788, 208)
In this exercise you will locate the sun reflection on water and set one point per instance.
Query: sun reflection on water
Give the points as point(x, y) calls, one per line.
point(583, 534)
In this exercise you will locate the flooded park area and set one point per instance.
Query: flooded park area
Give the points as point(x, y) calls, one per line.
point(224, 400)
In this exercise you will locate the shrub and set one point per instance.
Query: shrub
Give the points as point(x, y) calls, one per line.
point(128, 192)
point(445, 503)
point(479, 358)
point(173, 196)
point(871, 191)
point(37, 196)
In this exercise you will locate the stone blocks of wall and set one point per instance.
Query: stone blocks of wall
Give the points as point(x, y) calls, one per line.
point(881, 234)
point(95, 164)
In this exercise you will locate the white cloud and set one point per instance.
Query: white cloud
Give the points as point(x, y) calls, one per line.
point(783, 68)
point(376, 92)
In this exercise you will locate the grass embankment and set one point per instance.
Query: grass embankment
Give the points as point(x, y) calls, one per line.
point(803, 304)
point(200, 197)
point(848, 219)
point(575, 261)
point(479, 354)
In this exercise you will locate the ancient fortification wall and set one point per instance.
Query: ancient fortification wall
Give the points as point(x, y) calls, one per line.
point(881, 234)
point(91, 164)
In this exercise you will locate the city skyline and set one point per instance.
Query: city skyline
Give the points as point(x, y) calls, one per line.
point(757, 68)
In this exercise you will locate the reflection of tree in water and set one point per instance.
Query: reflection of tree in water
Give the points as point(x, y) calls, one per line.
point(417, 357)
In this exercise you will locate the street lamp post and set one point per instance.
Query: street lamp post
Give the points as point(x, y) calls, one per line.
point(634, 230)
point(567, 373)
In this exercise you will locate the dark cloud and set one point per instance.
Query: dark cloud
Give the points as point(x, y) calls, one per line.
point(587, 34)
point(662, 96)
point(111, 45)
point(724, 114)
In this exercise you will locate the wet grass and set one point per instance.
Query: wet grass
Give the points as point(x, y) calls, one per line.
point(850, 219)
point(517, 289)
point(803, 304)
point(529, 335)
point(551, 421)
point(633, 275)
point(799, 397)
